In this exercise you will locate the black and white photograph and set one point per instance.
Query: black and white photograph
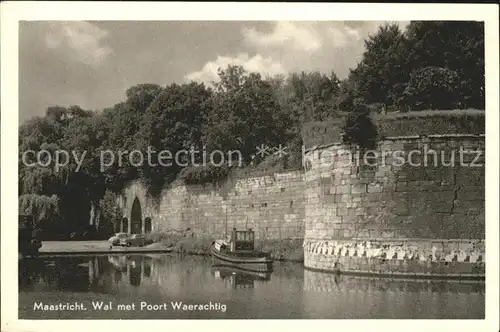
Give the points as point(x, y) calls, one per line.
point(231, 168)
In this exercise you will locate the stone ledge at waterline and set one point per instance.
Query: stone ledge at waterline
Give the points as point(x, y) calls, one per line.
point(461, 259)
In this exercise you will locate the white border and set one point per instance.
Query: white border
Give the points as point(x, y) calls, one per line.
point(13, 12)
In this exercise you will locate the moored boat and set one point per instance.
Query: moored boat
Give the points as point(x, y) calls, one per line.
point(240, 252)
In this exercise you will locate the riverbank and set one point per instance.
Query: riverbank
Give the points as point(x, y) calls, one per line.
point(285, 250)
point(96, 247)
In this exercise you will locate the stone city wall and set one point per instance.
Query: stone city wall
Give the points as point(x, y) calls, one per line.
point(272, 205)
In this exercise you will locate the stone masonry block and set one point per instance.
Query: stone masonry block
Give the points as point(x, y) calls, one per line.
point(470, 176)
point(375, 188)
point(400, 204)
point(471, 193)
point(343, 198)
point(358, 188)
point(402, 186)
point(343, 189)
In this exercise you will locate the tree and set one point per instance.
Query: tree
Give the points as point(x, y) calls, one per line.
point(432, 88)
point(391, 56)
point(110, 212)
point(455, 45)
point(85, 137)
point(382, 73)
point(245, 114)
point(44, 209)
point(311, 96)
point(172, 123)
point(124, 123)
point(347, 95)
point(63, 130)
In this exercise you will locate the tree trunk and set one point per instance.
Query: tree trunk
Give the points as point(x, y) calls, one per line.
point(92, 213)
point(95, 214)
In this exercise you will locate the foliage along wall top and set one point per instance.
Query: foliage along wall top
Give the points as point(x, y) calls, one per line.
point(417, 123)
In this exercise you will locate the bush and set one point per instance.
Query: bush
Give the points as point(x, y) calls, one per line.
point(360, 129)
point(431, 122)
point(203, 174)
point(285, 249)
point(199, 245)
point(169, 237)
point(185, 242)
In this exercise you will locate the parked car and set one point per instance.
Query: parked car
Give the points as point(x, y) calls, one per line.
point(115, 239)
point(138, 240)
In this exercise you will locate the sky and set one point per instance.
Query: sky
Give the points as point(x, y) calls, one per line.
point(92, 64)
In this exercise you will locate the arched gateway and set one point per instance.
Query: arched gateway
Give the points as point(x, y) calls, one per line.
point(136, 217)
point(135, 208)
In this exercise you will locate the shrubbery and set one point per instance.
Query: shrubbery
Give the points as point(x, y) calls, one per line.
point(45, 212)
point(359, 128)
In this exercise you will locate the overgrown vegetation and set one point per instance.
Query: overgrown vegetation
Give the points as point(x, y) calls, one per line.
point(430, 65)
point(44, 209)
point(359, 128)
point(110, 213)
point(431, 122)
point(185, 242)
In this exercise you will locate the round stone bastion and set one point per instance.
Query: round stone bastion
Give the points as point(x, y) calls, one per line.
point(413, 206)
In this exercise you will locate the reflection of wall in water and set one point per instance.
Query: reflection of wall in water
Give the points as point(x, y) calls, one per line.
point(138, 271)
point(147, 268)
point(132, 272)
point(328, 282)
point(104, 272)
point(102, 275)
point(178, 277)
point(391, 296)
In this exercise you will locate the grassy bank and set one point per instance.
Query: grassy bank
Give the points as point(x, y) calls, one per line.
point(186, 242)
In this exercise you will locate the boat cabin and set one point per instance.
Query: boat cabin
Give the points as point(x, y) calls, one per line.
point(242, 240)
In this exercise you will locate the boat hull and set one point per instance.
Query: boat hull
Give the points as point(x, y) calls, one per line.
point(248, 263)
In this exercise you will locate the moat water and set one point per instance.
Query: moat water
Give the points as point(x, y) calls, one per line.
point(163, 286)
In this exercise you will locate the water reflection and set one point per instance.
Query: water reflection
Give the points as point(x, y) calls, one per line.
point(394, 298)
point(289, 292)
point(99, 274)
point(325, 282)
point(236, 278)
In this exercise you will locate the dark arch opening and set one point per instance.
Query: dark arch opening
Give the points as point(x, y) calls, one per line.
point(136, 217)
point(117, 225)
point(125, 225)
point(147, 225)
